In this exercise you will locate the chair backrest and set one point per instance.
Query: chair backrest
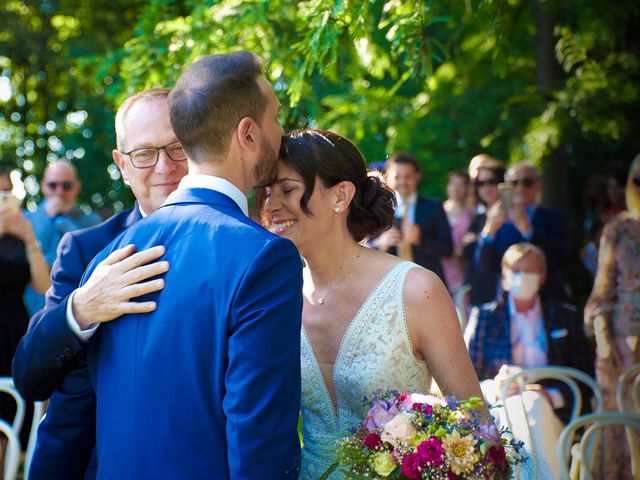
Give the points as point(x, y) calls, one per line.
point(7, 386)
point(39, 409)
point(596, 421)
point(460, 301)
point(567, 375)
point(10, 427)
point(631, 374)
point(12, 457)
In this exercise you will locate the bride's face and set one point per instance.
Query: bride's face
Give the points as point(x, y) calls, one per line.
point(285, 215)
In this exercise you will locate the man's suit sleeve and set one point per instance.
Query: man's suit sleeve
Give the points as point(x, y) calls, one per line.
point(554, 239)
point(262, 399)
point(44, 355)
point(441, 243)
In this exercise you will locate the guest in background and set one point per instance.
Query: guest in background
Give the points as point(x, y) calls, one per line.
point(421, 231)
point(616, 180)
point(56, 215)
point(613, 314)
point(526, 220)
point(459, 217)
point(21, 263)
point(524, 328)
point(485, 190)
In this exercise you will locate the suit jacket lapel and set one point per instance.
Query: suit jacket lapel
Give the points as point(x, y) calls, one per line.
point(133, 217)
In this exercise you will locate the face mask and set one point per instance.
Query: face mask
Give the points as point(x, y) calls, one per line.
point(523, 286)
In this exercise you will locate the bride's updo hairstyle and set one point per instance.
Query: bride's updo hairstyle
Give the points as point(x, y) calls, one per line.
point(334, 159)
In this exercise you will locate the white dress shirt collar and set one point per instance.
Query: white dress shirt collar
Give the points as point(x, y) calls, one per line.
point(217, 184)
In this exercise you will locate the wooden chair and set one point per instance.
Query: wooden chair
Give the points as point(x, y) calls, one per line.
point(596, 422)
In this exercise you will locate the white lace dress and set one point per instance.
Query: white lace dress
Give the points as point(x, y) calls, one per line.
point(375, 354)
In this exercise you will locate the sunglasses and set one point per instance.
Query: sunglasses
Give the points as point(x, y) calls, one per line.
point(66, 186)
point(636, 181)
point(525, 182)
point(482, 183)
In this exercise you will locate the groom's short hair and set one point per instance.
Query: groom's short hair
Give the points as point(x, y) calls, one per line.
point(211, 97)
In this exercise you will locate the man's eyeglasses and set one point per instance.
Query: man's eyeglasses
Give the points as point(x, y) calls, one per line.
point(636, 181)
point(147, 157)
point(525, 182)
point(482, 183)
point(66, 186)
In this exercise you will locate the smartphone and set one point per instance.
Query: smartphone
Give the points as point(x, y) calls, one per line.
point(506, 196)
point(10, 202)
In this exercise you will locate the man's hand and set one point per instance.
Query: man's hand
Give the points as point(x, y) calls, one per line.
point(500, 379)
point(411, 233)
point(390, 238)
point(115, 281)
point(520, 218)
point(56, 206)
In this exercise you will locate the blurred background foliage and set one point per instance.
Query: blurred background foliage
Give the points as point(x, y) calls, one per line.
point(553, 82)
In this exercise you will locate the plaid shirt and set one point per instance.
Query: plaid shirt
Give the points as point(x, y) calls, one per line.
point(488, 337)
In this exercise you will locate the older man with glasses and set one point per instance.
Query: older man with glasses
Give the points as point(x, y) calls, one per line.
point(56, 215)
point(525, 220)
point(51, 359)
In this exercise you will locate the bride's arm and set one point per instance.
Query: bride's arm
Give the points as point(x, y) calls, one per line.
point(436, 334)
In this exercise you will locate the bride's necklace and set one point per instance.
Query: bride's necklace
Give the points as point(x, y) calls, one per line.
point(322, 298)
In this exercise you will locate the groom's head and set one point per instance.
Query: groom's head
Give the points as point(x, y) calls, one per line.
point(225, 114)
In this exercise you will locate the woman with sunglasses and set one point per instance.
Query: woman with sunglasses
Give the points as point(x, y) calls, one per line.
point(486, 194)
point(613, 314)
point(370, 320)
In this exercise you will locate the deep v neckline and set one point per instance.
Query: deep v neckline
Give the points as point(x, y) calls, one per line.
point(348, 330)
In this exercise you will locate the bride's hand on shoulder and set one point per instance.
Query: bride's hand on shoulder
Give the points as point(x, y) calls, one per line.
point(436, 335)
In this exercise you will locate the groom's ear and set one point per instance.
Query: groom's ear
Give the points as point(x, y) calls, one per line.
point(247, 134)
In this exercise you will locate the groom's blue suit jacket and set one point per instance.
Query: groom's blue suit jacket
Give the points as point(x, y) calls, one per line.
point(208, 385)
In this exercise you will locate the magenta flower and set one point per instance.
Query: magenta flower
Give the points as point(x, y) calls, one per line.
point(372, 441)
point(411, 466)
point(431, 451)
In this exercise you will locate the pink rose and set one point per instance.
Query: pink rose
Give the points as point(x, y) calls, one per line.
point(411, 466)
point(399, 429)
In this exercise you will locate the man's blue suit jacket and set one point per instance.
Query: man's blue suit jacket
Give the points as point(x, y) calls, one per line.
point(208, 385)
point(50, 361)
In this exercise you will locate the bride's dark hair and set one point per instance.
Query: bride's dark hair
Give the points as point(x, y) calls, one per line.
point(334, 159)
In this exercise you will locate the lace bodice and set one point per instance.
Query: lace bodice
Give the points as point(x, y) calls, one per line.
point(375, 354)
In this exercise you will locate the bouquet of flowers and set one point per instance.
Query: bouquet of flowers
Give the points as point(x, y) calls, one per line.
point(415, 436)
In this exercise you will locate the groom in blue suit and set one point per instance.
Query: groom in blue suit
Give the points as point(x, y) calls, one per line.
point(208, 385)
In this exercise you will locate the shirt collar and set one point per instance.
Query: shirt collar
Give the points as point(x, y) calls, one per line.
point(217, 184)
point(533, 312)
point(411, 200)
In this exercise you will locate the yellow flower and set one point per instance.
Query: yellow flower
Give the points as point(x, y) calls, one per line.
point(460, 452)
point(383, 464)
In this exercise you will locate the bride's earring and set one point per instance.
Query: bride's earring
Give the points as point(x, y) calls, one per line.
point(336, 209)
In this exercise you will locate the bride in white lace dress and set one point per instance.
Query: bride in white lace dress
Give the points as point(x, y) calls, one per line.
point(370, 321)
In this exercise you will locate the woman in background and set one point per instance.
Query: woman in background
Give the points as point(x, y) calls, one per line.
point(459, 216)
point(21, 263)
point(613, 314)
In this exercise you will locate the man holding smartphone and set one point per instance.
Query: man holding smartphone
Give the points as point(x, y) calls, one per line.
point(56, 215)
point(525, 221)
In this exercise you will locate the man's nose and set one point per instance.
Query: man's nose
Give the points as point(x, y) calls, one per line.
point(165, 164)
